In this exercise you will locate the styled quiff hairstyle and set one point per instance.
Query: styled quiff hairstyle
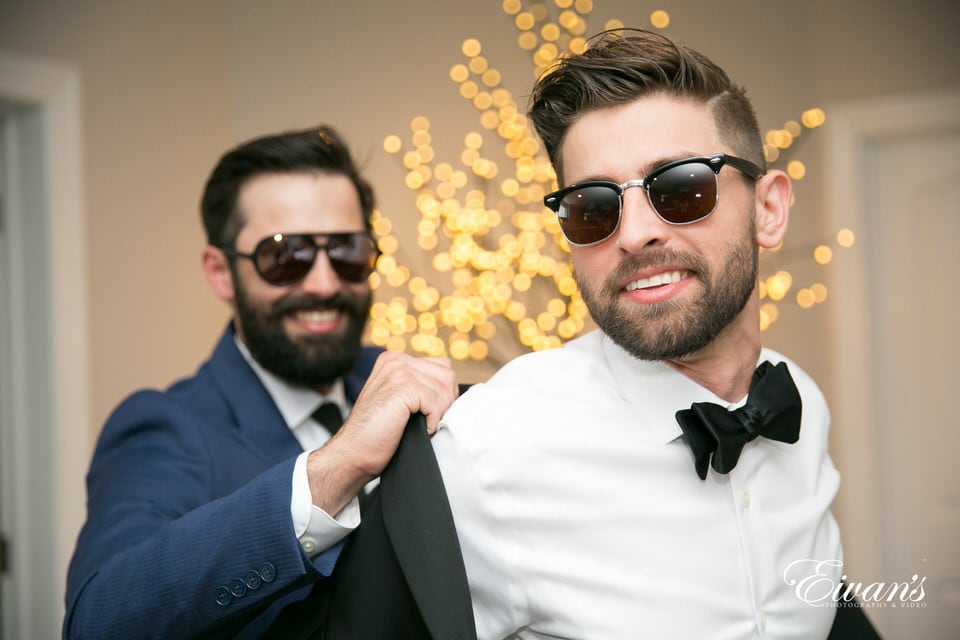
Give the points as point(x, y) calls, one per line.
point(319, 150)
point(624, 65)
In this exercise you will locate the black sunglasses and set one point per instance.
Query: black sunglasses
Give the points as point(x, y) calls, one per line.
point(285, 258)
point(681, 192)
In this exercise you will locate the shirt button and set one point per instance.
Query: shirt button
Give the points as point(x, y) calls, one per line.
point(268, 572)
point(223, 596)
point(253, 580)
point(237, 588)
point(745, 499)
point(763, 621)
point(309, 545)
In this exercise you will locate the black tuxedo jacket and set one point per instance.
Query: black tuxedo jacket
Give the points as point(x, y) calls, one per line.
point(401, 575)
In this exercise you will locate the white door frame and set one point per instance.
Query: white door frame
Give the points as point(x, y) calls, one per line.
point(51, 93)
point(851, 127)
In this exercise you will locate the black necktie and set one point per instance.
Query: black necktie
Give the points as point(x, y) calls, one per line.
point(328, 414)
point(772, 410)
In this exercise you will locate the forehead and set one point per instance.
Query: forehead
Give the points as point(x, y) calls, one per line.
point(290, 202)
point(625, 141)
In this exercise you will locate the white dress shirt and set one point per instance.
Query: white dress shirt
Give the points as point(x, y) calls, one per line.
point(580, 513)
point(316, 529)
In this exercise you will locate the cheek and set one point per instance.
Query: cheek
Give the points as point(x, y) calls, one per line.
point(591, 264)
point(255, 291)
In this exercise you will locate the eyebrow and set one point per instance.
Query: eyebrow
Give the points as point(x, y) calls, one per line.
point(643, 171)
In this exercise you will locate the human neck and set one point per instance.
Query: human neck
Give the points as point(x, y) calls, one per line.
point(726, 365)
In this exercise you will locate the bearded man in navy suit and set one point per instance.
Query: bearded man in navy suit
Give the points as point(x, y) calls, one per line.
point(214, 504)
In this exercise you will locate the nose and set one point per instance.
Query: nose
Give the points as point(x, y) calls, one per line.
point(321, 280)
point(640, 226)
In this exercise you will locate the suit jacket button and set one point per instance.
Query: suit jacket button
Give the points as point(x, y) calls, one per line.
point(237, 588)
point(268, 572)
point(252, 580)
point(223, 596)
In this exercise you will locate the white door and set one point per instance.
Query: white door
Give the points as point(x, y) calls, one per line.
point(897, 428)
point(44, 372)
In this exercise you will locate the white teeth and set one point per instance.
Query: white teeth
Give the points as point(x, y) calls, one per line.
point(657, 280)
point(326, 315)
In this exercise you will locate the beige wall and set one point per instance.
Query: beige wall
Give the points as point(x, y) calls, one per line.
point(168, 86)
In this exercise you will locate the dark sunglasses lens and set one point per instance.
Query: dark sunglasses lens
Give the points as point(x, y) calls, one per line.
point(285, 259)
point(685, 193)
point(589, 214)
point(352, 256)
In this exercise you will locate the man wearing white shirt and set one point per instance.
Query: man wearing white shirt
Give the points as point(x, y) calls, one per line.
point(596, 492)
point(214, 504)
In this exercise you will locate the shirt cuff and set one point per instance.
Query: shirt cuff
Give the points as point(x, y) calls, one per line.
point(317, 530)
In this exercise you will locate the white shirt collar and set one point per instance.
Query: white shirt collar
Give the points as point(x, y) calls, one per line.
point(295, 403)
point(674, 391)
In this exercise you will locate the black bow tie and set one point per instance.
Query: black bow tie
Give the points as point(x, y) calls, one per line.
point(772, 410)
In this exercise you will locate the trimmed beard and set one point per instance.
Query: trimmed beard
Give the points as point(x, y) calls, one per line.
point(672, 329)
point(311, 360)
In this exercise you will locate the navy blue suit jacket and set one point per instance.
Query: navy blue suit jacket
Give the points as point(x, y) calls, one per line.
point(189, 491)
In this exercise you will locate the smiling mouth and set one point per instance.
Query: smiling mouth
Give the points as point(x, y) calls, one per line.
point(316, 315)
point(658, 280)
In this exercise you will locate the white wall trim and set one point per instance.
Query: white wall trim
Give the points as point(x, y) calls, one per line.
point(55, 90)
point(850, 128)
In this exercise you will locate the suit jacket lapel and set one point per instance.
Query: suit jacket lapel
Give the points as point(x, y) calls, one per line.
point(257, 418)
point(419, 523)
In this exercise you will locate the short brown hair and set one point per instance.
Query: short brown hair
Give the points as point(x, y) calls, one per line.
point(623, 65)
point(320, 149)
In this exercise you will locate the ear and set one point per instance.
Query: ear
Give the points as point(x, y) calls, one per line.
point(217, 270)
point(773, 192)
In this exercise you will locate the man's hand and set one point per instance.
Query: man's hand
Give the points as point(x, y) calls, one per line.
point(399, 386)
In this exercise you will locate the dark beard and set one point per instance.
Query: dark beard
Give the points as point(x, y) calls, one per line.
point(308, 361)
point(672, 329)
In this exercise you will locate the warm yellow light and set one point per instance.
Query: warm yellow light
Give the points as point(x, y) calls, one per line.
point(845, 238)
point(388, 244)
point(442, 262)
point(782, 138)
point(812, 118)
point(486, 330)
point(527, 40)
point(578, 45)
point(563, 4)
point(660, 19)
point(583, 6)
point(392, 144)
point(550, 32)
point(819, 292)
point(793, 128)
point(778, 285)
point(420, 123)
point(478, 350)
point(770, 153)
point(805, 298)
point(478, 65)
point(469, 89)
point(796, 169)
point(491, 78)
point(524, 21)
point(516, 311)
point(414, 180)
point(483, 100)
point(510, 7)
point(823, 254)
point(471, 47)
